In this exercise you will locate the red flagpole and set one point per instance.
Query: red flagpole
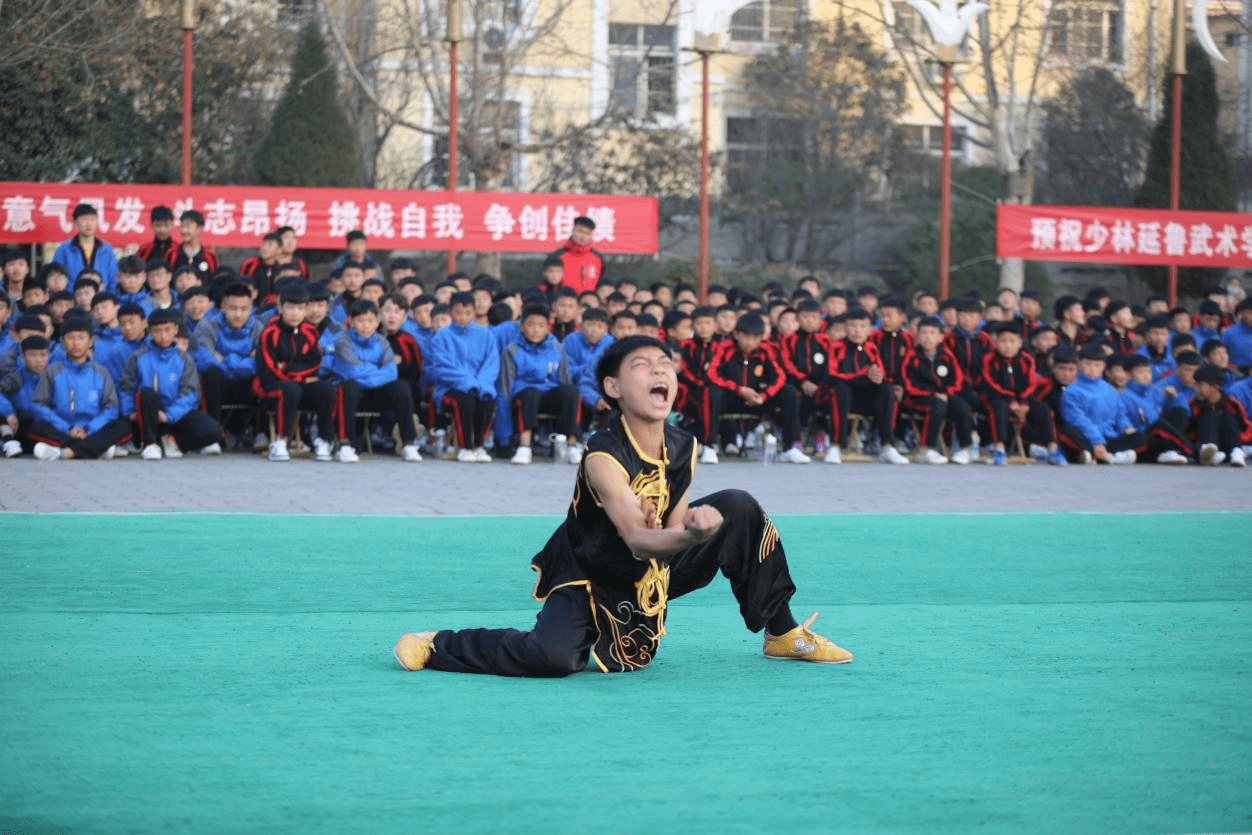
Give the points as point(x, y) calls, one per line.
point(945, 187)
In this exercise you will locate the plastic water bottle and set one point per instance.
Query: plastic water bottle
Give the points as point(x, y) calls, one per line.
point(771, 449)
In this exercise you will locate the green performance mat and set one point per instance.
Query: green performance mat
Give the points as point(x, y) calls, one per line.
point(224, 673)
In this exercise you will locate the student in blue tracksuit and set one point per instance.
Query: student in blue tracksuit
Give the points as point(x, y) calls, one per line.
point(75, 404)
point(507, 331)
point(1238, 337)
point(24, 326)
point(18, 388)
point(464, 366)
point(85, 250)
point(1241, 390)
point(1144, 402)
point(583, 350)
point(113, 353)
point(364, 365)
point(1094, 408)
point(161, 391)
point(224, 350)
point(1179, 387)
point(536, 376)
point(1208, 322)
point(1156, 346)
point(132, 284)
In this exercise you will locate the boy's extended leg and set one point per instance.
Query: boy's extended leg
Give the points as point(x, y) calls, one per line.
point(748, 550)
point(560, 643)
point(195, 430)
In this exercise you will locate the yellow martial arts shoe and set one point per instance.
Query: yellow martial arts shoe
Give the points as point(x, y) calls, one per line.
point(804, 645)
point(414, 648)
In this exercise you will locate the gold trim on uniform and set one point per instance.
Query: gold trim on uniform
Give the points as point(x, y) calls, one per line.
point(769, 539)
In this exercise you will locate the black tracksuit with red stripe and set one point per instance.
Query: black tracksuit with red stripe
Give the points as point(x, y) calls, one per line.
point(1007, 381)
point(732, 370)
point(931, 385)
point(893, 349)
point(409, 353)
point(855, 393)
point(1224, 423)
point(287, 364)
point(694, 378)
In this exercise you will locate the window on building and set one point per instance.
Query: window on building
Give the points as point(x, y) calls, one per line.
point(764, 20)
point(643, 62)
point(1086, 31)
point(761, 150)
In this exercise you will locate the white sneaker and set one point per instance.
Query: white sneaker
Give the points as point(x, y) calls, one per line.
point(1171, 456)
point(47, 452)
point(151, 452)
point(170, 447)
point(278, 450)
point(1085, 457)
point(559, 447)
point(1039, 453)
point(708, 455)
point(1211, 456)
point(524, 455)
point(211, 449)
point(108, 454)
point(731, 449)
point(411, 454)
point(321, 450)
point(574, 454)
point(1237, 458)
point(891, 455)
point(12, 448)
point(465, 455)
point(346, 455)
point(482, 456)
point(1126, 456)
point(931, 456)
point(261, 441)
point(795, 455)
point(961, 456)
point(121, 451)
point(834, 455)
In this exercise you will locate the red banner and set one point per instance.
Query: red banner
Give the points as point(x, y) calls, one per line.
point(238, 216)
point(1124, 236)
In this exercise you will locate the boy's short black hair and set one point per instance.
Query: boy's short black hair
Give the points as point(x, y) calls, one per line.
point(161, 213)
point(361, 307)
point(751, 323)
point(1042, 329)
point(375, 282)
point(897, 302)
point(1001, 328)
point(408, 280)
point(624, 314)
point(1114, 307)
point(462, 298)
point(131, 265)
point(858, 313)
point(611, 362)
point(85, 281)
point(1188, 358)
point(673, 318)
point(28, 322)
point(1208, 307)
point(294, 292)
point(82, 323)
point(192, 215)
point(131, 309)
point(355, 235)
point(1160, 320)
point(567, 292)
point(930, 322)
point(646, 320)
point(1246, 304)
point(395, 298)
point(1136, 361)
point(35, 343)
point(61, 296)
point(164, 316)
point(1182, 339)
point(1093, 351)
point(615, 296)
point(498, 313)
point(424, 298)
point(968, 304)
point(809, 306)
point(1116, 361)
point(84, 209)
point(201, 290)
point(836, 293)
point(440, 308)
point(351, 265)
point(535, 310)
point(703, 312)
point(1064, 355)
point(319, 291)
point(595, 314)
point(866, 290)
point(553, 261)
point(1030, 294)
point(236, 289)
point(1212, 375)
point(1209, 346)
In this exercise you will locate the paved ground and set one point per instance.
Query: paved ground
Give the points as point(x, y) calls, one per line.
point(240, 482)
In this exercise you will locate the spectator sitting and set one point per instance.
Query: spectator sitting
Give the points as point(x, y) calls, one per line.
point(861, 386)
point(24, 326)
point(161, 391)
point(197, 304)
point(353, 276)
point(1208, 323)
point(132, 334)
point(75, 406)
point(357, 250)
point(1238, 337)
point(1218, 424)
point(1179, 387)
point(1009, 384)
point(224, 350)
point(1099, 413)
point(1156, 346)
point(131, 280)
point(318, 307)
point(536, 377)
point(465, 366)
point(1214, 353)
point(932, 379)
point(85, 289)
point(18, 389)
point(157, 282)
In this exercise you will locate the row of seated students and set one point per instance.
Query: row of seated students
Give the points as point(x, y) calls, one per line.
point(484, 367)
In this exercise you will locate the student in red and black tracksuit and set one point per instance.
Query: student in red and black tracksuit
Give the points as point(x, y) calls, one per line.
point(1008, 387)
point(932, 382)
point(191, 252)
point(861, 387)
point(697, 353)
point(805, 356)
point(893, 342)
point(583, 266)
point(393, 313)
point(288, 362)
point(745, 377)
point(162, 220)
point(969, 344)
point(261, 270)
point(1218, 426)
point(1120, 321)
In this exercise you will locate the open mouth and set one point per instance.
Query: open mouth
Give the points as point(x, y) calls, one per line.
point(659, 392)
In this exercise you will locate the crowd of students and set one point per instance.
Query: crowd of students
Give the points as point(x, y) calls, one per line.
point(168, 351)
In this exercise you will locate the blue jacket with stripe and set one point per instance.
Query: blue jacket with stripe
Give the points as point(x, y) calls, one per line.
point(464, 358)
point(237, 348)
point(167, 371)
point(525, 365)
point(369, 362)
point(73, 395)
point(1095, 409)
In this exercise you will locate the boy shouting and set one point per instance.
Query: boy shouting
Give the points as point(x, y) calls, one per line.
point(632, 541)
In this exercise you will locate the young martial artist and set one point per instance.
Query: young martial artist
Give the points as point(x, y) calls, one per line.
point(632, 541)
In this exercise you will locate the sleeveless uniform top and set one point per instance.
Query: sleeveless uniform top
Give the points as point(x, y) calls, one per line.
point(627, 594)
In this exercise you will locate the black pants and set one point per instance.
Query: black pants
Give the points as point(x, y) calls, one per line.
point(93, 446)
point(561, 401)
point(935, 411)
point(1038, 427)
point(786, 403)
point(1217, 427)
point(290, 397)
point(194, 430)
point(218, 390)
point(876, 400)
point(746, 549)
point(394, 398)
point(471, 416)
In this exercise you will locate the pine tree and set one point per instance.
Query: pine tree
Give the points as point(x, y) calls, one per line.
point(309, 141)
point(1206, 171)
